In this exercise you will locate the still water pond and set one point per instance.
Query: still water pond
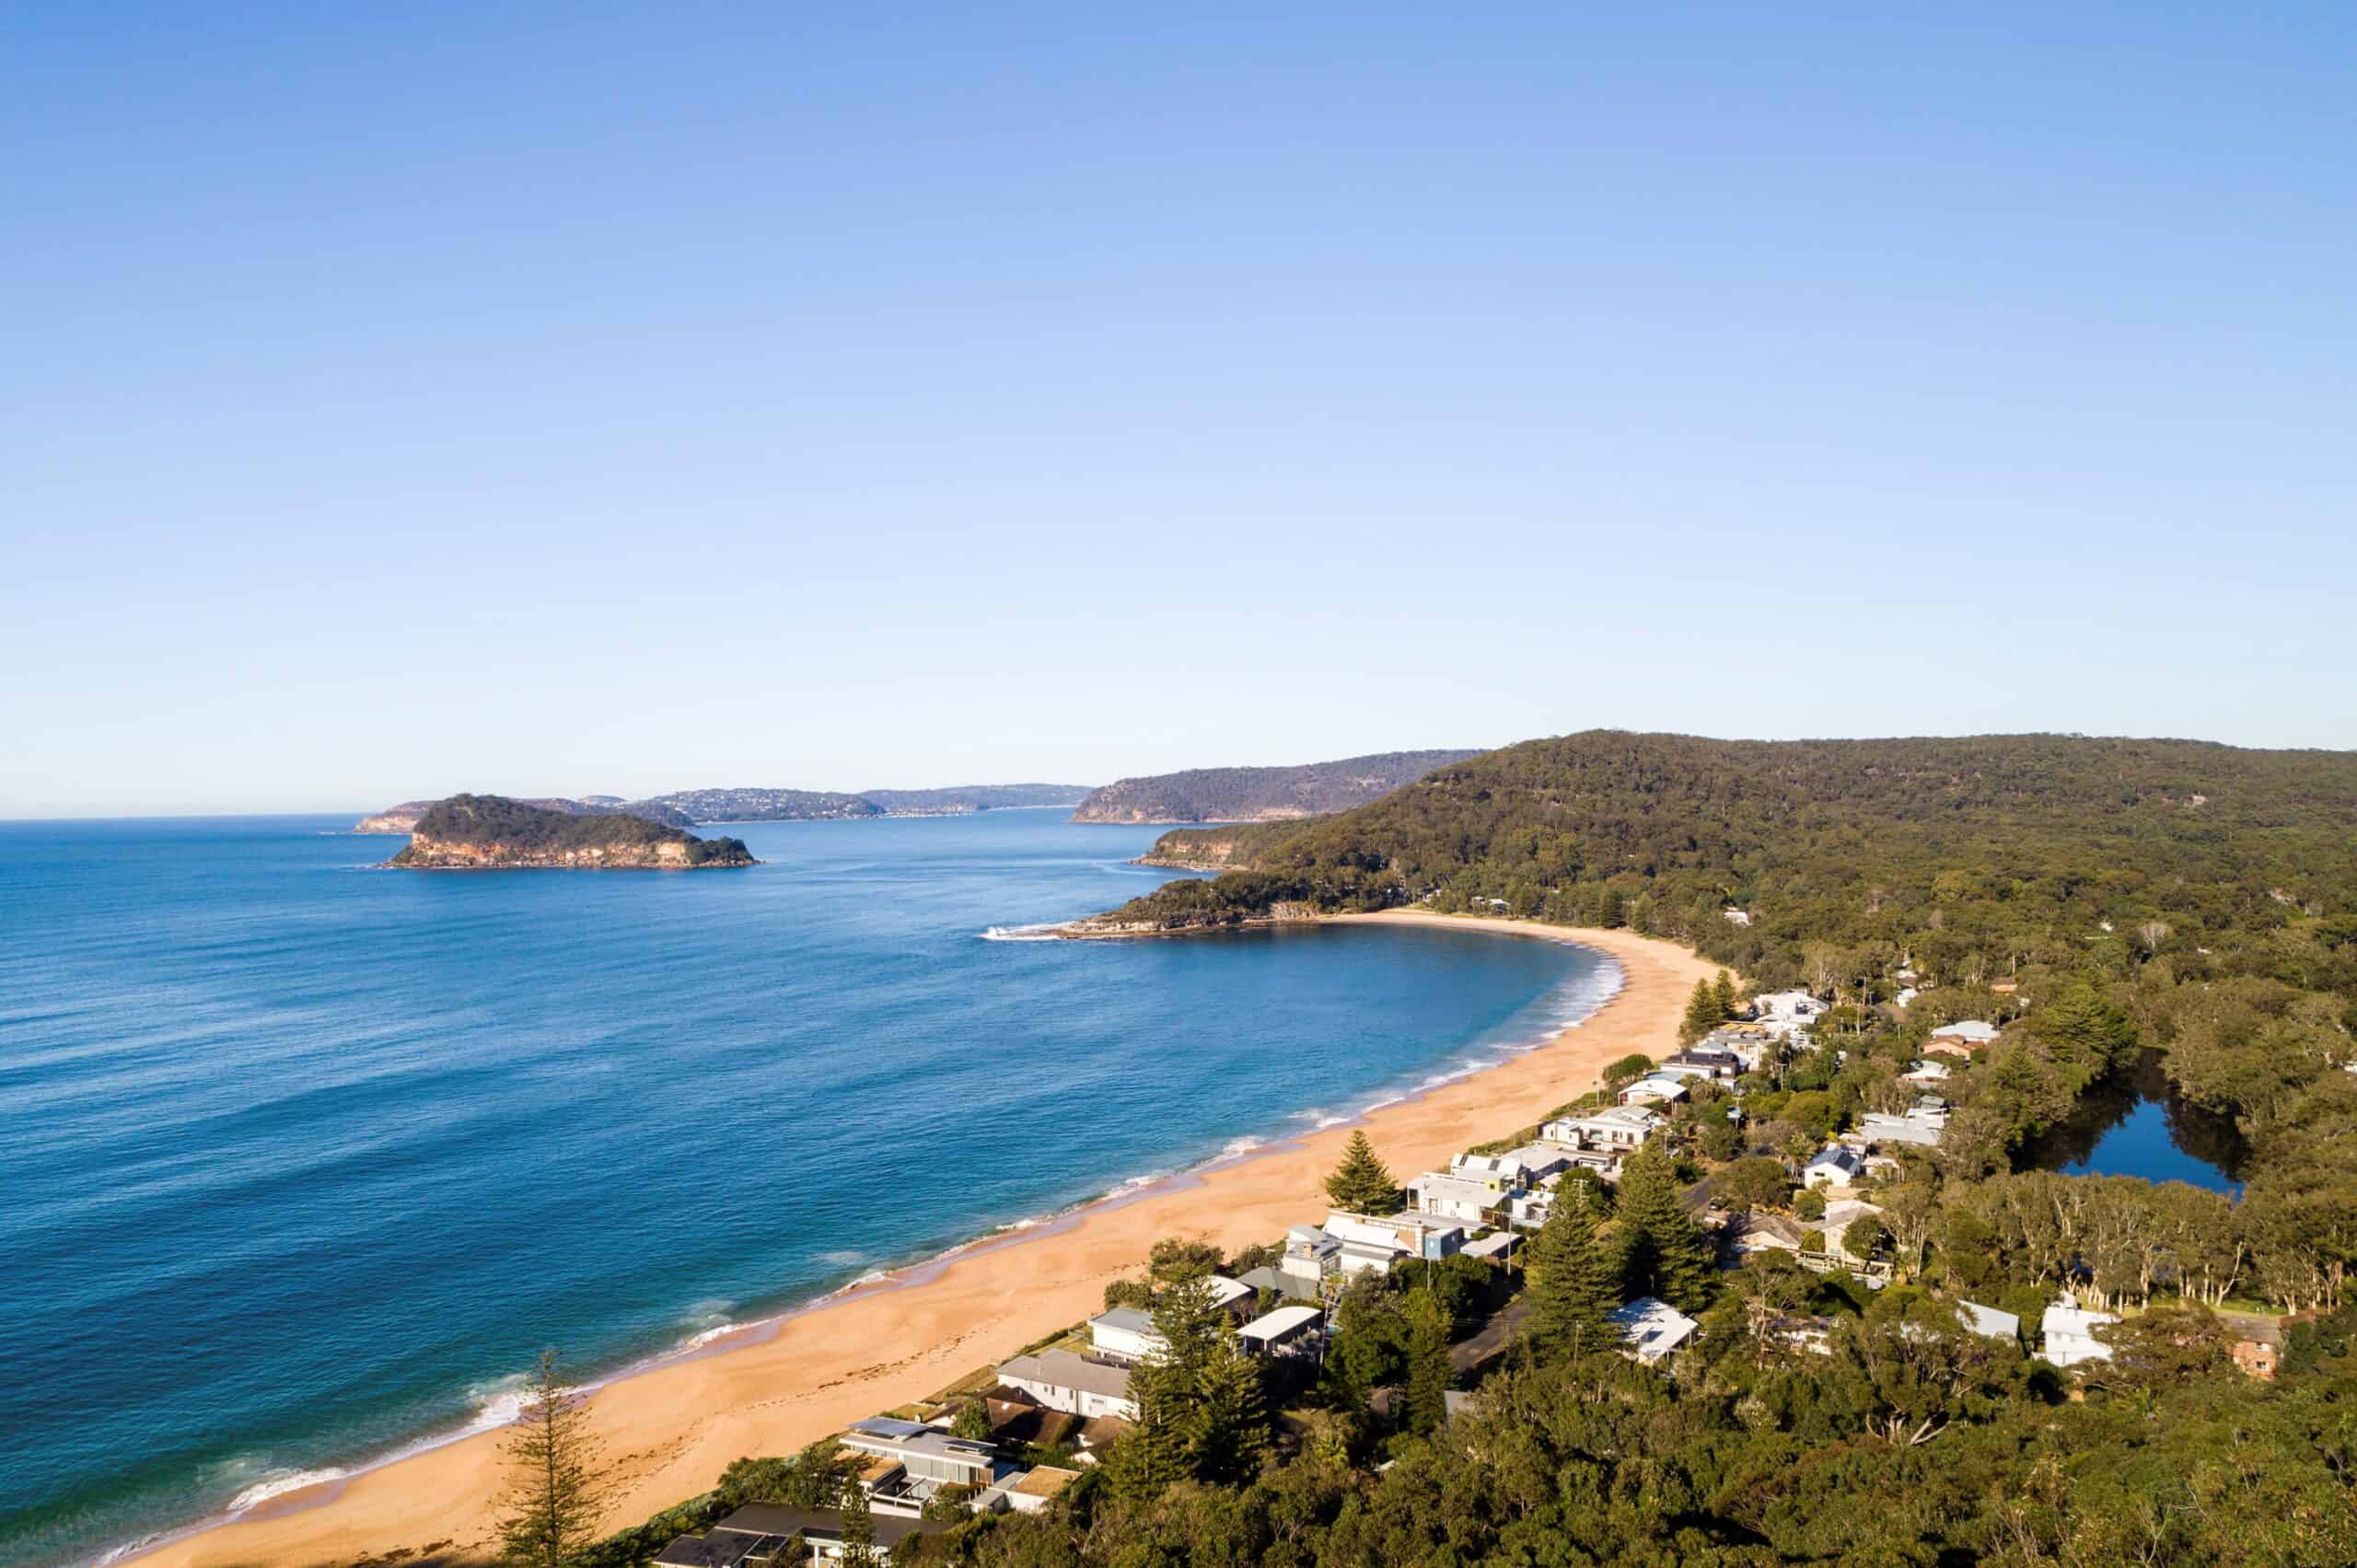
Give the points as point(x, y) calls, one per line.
point(2133, 1126)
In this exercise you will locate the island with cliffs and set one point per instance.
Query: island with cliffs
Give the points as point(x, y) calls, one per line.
point(491, 832)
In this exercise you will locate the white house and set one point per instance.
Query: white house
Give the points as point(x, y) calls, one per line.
point(1616, 1127)
point(910, 1461)
point(1455, 1197)
point(1370, 1243)
point(1499, 1173)
point(1659, 1088)
point(1540, 1161)
point(1288, 1330)
point(2070, 1332)
point(1836, 1166)
point(1310, 1255)
point(1652, 1328)
point(1921, 1128)
point(1927, 1072)
point(1074, 1384)
point(1127, 1332)
point(1784, 1011)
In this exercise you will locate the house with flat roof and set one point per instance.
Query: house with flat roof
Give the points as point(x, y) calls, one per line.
point(1368, 1242)
point(1310, 1257)
point(1619, 1127)
point(1718, 1066)
point(1652, 1328)
point(1540, 1161)
point(1036, 1487)
point(1921, 1128)
point(1500, 1173)
point(910, 1461)
point(1078, 1384)
point(1287, 1331)
point(1127, 1332)
point(758, 1531)
point(1456, 1198)
point(1784, 1011)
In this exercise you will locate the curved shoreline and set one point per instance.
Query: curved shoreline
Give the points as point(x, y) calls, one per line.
point(672, 1423)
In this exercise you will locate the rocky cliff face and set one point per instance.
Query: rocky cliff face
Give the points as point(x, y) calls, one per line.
point(401, 818)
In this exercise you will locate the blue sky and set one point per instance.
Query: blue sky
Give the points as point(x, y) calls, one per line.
point(562, 399)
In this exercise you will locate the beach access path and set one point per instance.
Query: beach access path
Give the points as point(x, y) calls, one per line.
point(669, 1431)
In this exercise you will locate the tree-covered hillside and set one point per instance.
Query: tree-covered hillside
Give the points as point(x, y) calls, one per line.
point(520, 830)
point(1244, 795)
point(1973, 857)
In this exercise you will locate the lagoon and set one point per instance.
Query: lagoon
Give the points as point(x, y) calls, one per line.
point(2133, 1125)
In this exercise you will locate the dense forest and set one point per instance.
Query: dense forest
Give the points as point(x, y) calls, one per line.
point(1243, 794)
point(515, 831)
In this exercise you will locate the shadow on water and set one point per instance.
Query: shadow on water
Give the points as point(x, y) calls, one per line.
point(2131, 1126)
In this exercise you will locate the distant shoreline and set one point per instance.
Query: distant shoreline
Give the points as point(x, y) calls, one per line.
point(772, 1386)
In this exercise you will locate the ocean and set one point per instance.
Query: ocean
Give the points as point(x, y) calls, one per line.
point(305, 1160)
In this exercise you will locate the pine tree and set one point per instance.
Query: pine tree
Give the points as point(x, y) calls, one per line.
point(1668, 1255)
point(1703, 1014)
point(1362, 1184)
point(1227, 1432)
point(859, 1530)
point(1428, 1370)
point(1723, 993)
point(555, 1486)
point(1574, 1281)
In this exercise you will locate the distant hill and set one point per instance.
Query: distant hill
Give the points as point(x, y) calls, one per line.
point(491, 832)
point(687, 807)
point(974, 798)
point(403, 819)
point(1260, 795)
point(1231, 846)
point(764, 805)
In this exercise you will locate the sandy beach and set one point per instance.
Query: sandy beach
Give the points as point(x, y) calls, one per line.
point(672, 1429)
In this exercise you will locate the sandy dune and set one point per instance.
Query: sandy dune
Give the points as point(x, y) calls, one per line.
point(673, 1428)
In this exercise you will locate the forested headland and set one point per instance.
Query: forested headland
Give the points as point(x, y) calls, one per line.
point(1247, 795)
point(491, 832)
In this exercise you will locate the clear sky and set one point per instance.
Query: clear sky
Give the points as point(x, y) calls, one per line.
point(554, 399)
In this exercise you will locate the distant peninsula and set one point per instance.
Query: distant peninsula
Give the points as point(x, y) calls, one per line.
point(690, 807)
point(487, 832)
point(1262, 795)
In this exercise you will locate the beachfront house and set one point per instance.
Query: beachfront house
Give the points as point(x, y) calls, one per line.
point(1960, 1039)
point(1718, 1066)
point(1540, 1161)
point(1657, 1088)
point(1078, 1384)
point(1619, 1128)
point(1127, 1332)
point(1456, 1198)
point(1499, 1173)
point(2070, 1334)
point(759, 1531)
point(1652, 1328)
point(1310, 1257)
point(908, 1462)
point(1287, 1331)
point(1372, 1243)
point(1836, 1166)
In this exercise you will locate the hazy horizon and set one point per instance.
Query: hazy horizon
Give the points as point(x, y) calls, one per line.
point(596, 400)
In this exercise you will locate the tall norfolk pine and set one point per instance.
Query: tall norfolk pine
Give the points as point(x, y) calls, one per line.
point(549, 1510)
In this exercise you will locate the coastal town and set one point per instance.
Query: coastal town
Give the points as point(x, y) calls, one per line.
point(1502, 1243)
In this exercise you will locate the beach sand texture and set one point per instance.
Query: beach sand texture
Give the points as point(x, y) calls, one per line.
point(670, 1430)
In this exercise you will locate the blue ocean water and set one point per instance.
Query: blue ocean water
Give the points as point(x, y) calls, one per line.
point(305, 1161)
